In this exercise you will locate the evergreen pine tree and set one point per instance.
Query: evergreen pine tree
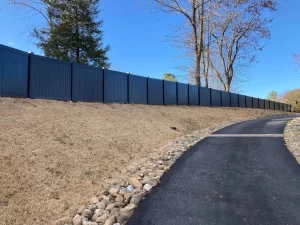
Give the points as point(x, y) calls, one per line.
point(73, 32)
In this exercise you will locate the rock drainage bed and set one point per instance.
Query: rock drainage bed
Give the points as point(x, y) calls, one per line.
point(118, 202)
point(292, 137)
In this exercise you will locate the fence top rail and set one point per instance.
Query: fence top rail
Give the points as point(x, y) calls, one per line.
point(51, 59)
point(3, 47)
point(137, 76)
point(156, 80)
point(182, 83)
point(215, 90)
point(86, 66)
point(170, 82)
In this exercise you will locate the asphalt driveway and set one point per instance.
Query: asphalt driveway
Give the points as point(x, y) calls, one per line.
point(243, 174)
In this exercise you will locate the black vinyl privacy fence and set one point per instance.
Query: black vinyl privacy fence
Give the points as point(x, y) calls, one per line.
point(30, 76)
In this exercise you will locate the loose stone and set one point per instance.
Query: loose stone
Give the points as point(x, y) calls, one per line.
point(113, 192)
point(110, 221)
point(79, 211)
point(122, 218)
point(135, 182)
point(130, 207)
point(130, 188)
point(87, 213)
point(136, 199)
point(123, 191)
point(147, 187)
point(119, 198)
point(77, 220)
point(102, 218)
point(101, 205)
point(110, 206)
point(120, 204)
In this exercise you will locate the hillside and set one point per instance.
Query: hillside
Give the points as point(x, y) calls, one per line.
point(57, 155)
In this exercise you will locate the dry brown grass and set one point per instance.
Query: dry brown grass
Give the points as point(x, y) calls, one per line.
point(56, 155)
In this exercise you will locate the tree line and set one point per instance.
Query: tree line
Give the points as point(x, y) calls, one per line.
point(291, 97)
point(219, 37)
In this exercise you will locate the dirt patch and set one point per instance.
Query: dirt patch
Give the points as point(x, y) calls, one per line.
point(56, 155)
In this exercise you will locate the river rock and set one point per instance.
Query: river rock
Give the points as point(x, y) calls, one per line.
point(147, 187)
point(135, 182)
point(102, 218)
point(77, 220)
point(122, 218)
point(110, 221)
point(113, 192)
point(87, 213)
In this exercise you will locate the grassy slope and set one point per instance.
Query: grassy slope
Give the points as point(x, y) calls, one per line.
point(56, 155)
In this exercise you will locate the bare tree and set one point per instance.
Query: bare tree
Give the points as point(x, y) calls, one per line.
point(193, 12)
point(239, 29)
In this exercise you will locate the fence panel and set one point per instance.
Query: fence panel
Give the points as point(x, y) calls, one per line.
point(87, 83)
point(155, 92)
point(50, 78)
point(225, 99)
point(234, 100)
point(115, 87)
point(267, 104)
point(170, 93)
point(249, 102)
point(272, 105)
point(216, 98)
point(242, 101)
point(276, 105)
point(137, 92)
point(289, 108)
point(285, 107)
point(205, 96)
point(183, 94)
point(193, 95)
point(261, 103)
point(13, 72)
point(255, 103)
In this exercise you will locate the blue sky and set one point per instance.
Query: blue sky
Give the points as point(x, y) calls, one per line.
point(138, 43)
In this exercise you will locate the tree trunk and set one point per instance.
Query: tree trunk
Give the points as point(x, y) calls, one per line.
point(197, 70)
point(201, 12)
point(77, 38)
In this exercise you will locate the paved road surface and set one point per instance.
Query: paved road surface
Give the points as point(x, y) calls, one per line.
point(229, 180)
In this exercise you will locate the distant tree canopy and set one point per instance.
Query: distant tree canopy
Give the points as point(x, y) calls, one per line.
point(272, 96)
point(169, 77)
point(297, 60)
point(72, 32)
point(293, 98)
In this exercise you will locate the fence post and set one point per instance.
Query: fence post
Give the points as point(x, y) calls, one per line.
point(176, 92)
point(210, 97)
point(128, 98)
point(221, 98)
point(103, 72)
point(71, 88)
point(147, 90)
point(163, 92)
point(28, 75)
point(188, 94)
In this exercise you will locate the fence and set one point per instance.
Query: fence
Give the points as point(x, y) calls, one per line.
point(31, 76)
